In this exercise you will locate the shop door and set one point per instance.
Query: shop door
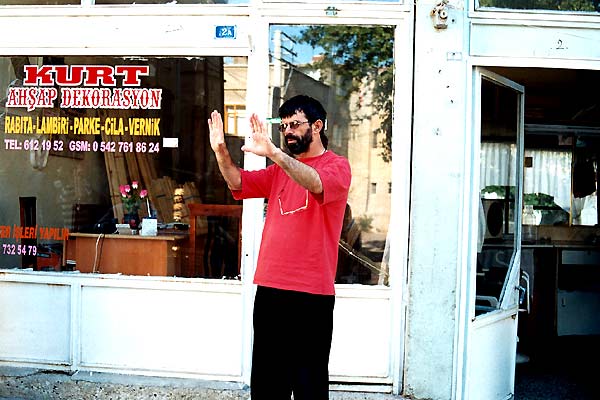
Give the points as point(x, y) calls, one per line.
point(351, 69)
point(494, 304)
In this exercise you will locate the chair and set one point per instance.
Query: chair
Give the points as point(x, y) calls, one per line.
point(213, 246)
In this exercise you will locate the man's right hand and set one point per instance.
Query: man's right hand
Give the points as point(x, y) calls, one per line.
point(217, 135)
point(228, 169)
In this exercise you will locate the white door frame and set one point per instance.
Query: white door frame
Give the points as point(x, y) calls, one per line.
point(477, 370)
point(399, 16)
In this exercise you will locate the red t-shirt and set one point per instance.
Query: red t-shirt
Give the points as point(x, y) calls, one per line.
point(299, 246)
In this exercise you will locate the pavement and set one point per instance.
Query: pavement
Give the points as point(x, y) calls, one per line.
point(35, 384)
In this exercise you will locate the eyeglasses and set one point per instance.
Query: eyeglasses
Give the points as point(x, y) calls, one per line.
point(292, 125)
point(304, 207)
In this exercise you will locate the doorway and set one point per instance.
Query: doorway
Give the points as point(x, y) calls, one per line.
point(558, 331)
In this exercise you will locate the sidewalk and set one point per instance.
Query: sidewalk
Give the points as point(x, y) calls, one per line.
point(34, 384)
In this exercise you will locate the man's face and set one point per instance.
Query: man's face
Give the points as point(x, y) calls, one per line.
point(297, 133)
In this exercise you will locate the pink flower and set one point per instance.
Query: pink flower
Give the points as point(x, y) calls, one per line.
point(132, 196)
point(122, 190)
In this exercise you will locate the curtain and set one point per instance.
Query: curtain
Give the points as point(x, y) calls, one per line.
point(550, 172)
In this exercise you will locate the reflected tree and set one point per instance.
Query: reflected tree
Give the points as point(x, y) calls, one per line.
point(558, 5)
point(359, 56)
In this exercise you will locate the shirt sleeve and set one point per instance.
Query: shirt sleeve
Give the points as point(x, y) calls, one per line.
point(336, 177)
point(255, 184)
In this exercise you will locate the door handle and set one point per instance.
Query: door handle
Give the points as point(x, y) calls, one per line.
point(524, 292)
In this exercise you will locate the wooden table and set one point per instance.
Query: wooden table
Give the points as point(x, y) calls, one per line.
point(126, 254)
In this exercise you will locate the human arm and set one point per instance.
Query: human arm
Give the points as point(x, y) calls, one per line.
point(260, 144)
point(229, 170)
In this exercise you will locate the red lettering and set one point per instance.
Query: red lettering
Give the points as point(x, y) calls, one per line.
point(85, 98)
point(98, 75)
point(132, 73)
point(73, 75)
point(106, 96)
point(63, 78)
point(36, 75)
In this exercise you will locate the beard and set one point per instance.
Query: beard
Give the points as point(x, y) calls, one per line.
point(301, 144)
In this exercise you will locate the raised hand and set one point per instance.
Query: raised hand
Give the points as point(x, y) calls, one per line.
point(229, 170)
point(215, 128)
point(259, 141)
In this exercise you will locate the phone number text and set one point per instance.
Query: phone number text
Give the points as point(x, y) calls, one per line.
point(19, 249)
point(82, 146)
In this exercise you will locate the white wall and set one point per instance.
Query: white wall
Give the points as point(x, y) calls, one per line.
point(439, 139)
point(165, 327)
point(175, 327)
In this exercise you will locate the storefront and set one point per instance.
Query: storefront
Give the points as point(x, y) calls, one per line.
point(104, 122)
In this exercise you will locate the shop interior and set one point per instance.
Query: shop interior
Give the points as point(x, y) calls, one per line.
point(198, 223)
point(81, 174)
point(558, 331)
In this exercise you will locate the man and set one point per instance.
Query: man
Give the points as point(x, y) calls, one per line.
point(307, 193)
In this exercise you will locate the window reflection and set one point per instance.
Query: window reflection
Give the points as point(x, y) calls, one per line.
point(171, 2)
point(498, 184)
point(568, 5)
point(39, 2)
point(108, 2)
point(316, 60)
point(235, 95)
point(72, 159)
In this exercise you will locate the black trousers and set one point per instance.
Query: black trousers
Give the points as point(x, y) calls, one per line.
point(292, 341)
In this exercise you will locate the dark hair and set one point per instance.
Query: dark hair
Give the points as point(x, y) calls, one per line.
point(311, 107)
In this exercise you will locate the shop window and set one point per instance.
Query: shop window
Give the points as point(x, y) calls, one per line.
point(108, 2)
point(338, 1)
point(39, 2)
point(103, 158)
point(559, 177)
point(553, 5)
point(317, 60)
point(235, 116)
point(336, 135)
point(100, 2)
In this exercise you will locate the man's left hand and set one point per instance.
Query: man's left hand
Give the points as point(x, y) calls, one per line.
point(259, 142)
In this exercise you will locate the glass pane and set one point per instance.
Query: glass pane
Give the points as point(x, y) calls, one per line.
point(91, 145)
point(350, 70)
point(339, 1)
point(171, 2)
point(498, 178)
point(235, 95)
point(560, 5)
point(562, 131)
point(107, 2)
point(39, 2)
point(584, 203)
point(547, 185)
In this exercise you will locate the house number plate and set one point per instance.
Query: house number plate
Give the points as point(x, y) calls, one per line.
point(225, 32)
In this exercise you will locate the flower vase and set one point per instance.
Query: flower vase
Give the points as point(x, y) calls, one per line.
point(133, 219)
